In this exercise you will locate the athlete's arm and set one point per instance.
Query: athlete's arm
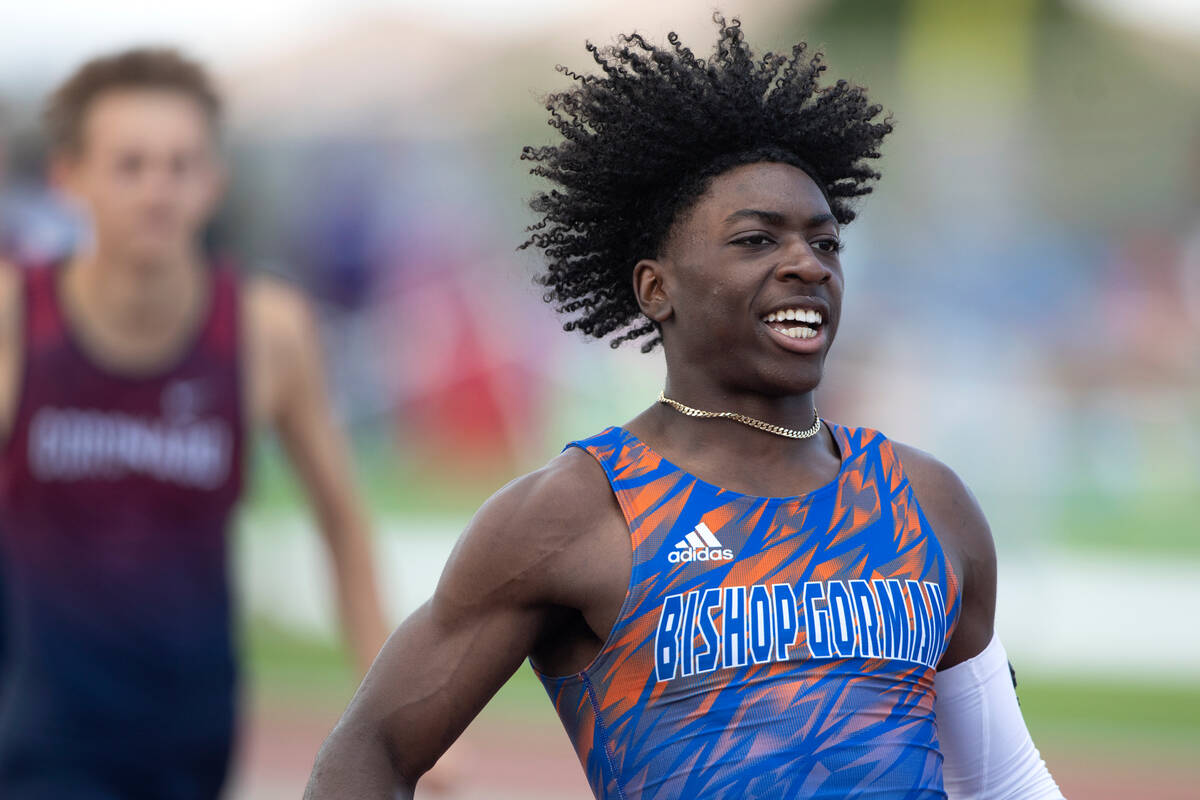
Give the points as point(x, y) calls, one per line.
point(527, 556)
point(288, 392)
point(988, 752)
point(10, 345)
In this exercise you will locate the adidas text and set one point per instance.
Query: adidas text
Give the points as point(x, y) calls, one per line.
point(709, 554)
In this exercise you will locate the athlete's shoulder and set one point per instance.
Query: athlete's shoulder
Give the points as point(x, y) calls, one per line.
point(532, 541)
point(274, 305)
point(961, 527)
point(554, 504)
point(939, 488)
point(10, 341)
point(10, 287)
point(944, 497)
point(281, 344)
point(11, 283)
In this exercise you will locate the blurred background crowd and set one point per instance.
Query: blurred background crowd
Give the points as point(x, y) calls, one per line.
point(1023, 300)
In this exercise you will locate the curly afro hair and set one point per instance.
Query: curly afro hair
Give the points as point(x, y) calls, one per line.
point(642, 141)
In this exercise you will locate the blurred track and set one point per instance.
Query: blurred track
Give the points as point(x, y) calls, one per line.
point(529, 761)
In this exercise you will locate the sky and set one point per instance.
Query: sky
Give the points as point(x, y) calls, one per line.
point(40, 41)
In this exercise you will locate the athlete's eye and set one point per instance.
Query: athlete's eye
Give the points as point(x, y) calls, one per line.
point(829, 245)
point(754, 240)
point(129, 164)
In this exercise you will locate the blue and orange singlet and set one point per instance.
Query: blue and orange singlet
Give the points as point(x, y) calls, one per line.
point(767, 647)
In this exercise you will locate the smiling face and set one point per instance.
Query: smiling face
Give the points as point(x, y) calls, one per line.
point(748, 286)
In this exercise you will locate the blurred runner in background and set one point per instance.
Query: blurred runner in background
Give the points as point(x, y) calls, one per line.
point(131, 375)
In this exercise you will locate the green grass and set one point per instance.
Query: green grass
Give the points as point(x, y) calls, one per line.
point(389, 484)
point(1144, 719)
point(1151, 524)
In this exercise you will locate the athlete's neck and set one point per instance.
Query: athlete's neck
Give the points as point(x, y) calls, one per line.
point(131, 312)
point(794, 411)
point(742, 458)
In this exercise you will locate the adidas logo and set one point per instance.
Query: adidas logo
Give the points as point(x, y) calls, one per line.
point(699, 545)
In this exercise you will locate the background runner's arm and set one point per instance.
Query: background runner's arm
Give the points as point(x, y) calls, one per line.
point(442, 665)
point(317, 449)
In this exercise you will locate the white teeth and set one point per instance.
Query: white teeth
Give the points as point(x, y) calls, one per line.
point(799, 333)
point(806, 315)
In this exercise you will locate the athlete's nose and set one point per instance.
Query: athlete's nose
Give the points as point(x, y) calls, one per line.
point(800, 262)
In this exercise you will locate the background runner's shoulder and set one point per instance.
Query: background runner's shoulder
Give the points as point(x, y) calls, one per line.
point(10, 300)
point(277, 314)
point(281, 345)
point(10, 342)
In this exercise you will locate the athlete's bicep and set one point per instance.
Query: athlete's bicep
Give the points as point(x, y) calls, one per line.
point(437, 672)
point(432, 677)
point(442, 665)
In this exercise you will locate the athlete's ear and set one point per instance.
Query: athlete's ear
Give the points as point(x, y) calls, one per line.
point(649, 286)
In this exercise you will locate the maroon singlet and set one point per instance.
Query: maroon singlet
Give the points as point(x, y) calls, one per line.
point(115, 498)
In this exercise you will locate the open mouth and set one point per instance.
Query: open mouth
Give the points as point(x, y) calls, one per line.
point(795, 323)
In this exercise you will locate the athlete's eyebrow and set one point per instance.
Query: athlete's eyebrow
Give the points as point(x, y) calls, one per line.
point(776, 218)
point(769, 217)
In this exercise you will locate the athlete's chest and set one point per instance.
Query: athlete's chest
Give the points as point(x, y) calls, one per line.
point(721, 579)
point(765, 583)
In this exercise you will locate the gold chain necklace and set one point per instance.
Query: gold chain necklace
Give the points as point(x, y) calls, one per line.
point(778, 430)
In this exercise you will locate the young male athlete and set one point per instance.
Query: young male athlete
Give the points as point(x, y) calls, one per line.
point(131, 376)
point(729, 596)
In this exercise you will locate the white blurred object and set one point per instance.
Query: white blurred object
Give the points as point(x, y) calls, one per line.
point(1058, 611)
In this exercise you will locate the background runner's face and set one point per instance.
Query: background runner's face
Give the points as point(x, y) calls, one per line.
point(725, 269)
point(146, 172)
